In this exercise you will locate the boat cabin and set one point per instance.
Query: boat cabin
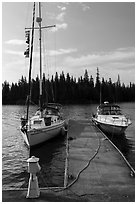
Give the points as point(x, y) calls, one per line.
point(50, 115)
point(48, 111)
point(108, 109)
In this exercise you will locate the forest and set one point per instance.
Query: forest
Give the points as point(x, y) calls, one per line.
point(68, 90)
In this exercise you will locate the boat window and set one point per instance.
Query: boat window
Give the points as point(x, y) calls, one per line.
point(47, 121)
point(105, 111)
point(109, 110)
point(115, 117)
point(113, 112)
point(118, 112)
point(37, 122)
point(48, 111)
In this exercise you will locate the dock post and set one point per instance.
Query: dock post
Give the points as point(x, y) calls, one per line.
point(33, 168)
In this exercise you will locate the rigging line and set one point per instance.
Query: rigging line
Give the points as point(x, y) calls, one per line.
point(54, 68)
point(45, 58)
point(49, 60)
point(45, 54)
point(55, 48)
point(33, 103)
point(35, 61)
point(48, 64)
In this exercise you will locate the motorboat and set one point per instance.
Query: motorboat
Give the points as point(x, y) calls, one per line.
point(110, 119)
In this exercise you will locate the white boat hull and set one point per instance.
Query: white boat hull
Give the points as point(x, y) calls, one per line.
point(36, 136)
point(111, 128)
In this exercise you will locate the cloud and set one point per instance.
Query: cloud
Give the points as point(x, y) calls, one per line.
point(15, 42)
point(120, 61)
point(117, 58)
point(15, 62)
point(50, 15)
point(60, 26)
point(49, 52)
point(60, 17)
point(62, 8)
point(12, 52)
point(61, 51)
point(84, 6)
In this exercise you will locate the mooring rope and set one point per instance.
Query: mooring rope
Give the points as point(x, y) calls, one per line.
point(78, 175)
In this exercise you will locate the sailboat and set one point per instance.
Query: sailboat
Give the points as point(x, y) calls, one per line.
point(47, 122)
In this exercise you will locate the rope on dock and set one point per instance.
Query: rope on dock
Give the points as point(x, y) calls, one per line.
point(88, 163)
point(59, 189)
point(85, 167)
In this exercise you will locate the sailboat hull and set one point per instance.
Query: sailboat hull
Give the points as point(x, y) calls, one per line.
point(34, 137)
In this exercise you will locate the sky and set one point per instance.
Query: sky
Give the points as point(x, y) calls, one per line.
point(87, 35)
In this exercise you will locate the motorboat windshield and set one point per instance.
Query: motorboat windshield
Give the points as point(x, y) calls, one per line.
point(108, 109)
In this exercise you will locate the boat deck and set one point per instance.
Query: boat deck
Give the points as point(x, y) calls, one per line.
point(95, 171)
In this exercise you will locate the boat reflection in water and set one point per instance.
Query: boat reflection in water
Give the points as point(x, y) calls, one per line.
point(124, 145)
point(51, 156)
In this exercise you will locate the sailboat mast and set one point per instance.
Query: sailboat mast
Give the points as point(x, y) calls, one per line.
point(30, 64)
point(39, 20)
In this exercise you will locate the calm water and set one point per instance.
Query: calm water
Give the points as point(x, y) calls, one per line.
point(52, 154)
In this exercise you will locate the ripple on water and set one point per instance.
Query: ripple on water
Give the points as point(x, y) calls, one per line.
point(52, 154)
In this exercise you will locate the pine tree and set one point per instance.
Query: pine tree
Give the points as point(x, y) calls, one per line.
point(5, 93)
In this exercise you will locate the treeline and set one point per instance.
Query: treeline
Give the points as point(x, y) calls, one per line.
point(66, 89)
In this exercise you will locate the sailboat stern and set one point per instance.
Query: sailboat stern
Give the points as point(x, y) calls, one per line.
point(40, 135)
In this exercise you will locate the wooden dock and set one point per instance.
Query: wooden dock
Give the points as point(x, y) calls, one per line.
point(95, 171)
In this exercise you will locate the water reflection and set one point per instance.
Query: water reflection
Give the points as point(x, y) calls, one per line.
point(123, 144)
point(52, 156)
point(52, 153)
